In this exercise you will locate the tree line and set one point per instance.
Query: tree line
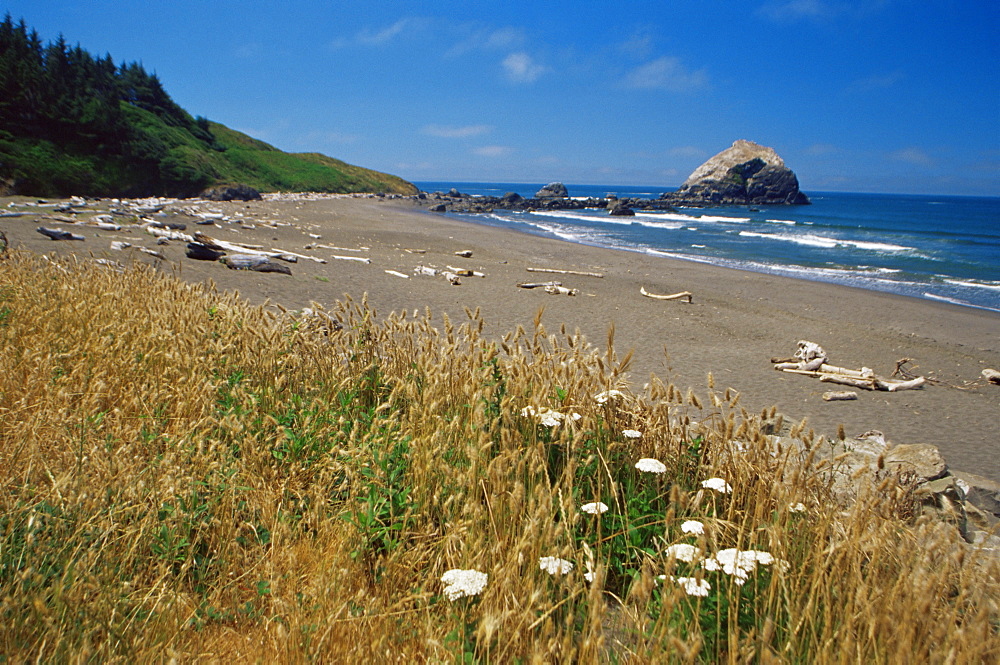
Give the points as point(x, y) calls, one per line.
point(59, 102)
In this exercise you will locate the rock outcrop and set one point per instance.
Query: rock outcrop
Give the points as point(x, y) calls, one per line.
point(746, 173)
point(231, 193)
point(553, 190)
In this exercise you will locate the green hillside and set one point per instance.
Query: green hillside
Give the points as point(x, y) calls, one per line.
point(72, 123)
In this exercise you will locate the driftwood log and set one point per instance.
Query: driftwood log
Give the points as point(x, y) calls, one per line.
point(566, 272)
point(538, 285)
point(810, 360)
point(561, 291)
point(200, 252)
point(673, 296)
point(254, 262)
point(58, 234)
point(992, 376)
point(839, 395)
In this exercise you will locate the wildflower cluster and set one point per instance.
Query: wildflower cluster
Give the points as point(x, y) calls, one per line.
point(460, 583)
point(555, 566)
point(548, 417)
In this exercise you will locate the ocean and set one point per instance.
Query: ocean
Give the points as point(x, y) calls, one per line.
point(943, 248)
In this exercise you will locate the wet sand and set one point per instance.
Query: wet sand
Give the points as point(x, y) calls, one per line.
point(737, 322)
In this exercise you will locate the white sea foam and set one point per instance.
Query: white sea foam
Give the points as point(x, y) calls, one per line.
point(993, 286)
point(825, 242)
point(789, 222)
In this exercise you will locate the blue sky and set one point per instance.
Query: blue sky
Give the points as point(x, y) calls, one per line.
point(872, 95)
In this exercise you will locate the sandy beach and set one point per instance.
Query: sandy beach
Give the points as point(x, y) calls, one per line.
point(735, 324)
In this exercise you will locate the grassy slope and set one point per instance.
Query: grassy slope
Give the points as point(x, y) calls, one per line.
point(255, 163)
point(190, 475)
point(46, 169)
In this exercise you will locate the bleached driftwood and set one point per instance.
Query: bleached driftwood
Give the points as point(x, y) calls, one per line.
point(316, 245)
point(300, 256)
point(810, 360)
point(58, 234)
point(169, 234)
point(359, 259)
point(431, 272)
point(224, 245)
point(153, 253)
point(120, 245)
point(672, 296)
point(538, 285)
point(396, 273)
point(254, 262)
point(465, 253)
point(566, 272)
point(839, 396)
point(992, 376)
point(561, 290)
point(465, 272)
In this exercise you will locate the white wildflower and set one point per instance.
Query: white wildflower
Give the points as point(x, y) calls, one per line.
point(554, 565)
point(693, 526)
point(606, 396)
point(683, 552)
point(595, 508)
point(717, 484)
point(459, 583)
point(650, 465)
point(738, 563)
point(546, 416)
point(631, 433)
point(797, 508)
point(693, 586)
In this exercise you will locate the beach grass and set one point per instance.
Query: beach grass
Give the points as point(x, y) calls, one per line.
point(189, 477)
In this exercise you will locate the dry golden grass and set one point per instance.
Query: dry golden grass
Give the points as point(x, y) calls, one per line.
point(186, 477)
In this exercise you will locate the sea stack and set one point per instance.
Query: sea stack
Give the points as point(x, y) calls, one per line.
point(746, 173)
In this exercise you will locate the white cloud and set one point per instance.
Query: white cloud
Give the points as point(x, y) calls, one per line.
point(686, 151)
point(478, 38)
point(493, 151)
point(790, 10)
point(667, 73)
point(383, 36)
point(521, 68)
point(449, 132)
point(820, 149)
point(913, 155)
point(878, 81)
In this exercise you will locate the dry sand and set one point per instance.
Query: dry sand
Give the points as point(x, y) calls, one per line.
point(737, 322)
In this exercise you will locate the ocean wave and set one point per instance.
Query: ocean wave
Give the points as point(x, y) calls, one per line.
point(825, 242)
point(567, 214)
point(992, 286)
point(958, 301)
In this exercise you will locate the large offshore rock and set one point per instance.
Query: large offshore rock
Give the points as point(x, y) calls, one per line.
point(746, 173)
point(552, 190)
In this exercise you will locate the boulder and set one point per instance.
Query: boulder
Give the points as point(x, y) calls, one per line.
point(746, 173)
point(231, 193)
point(620, 209)
point(511, 198)
point(553, 190)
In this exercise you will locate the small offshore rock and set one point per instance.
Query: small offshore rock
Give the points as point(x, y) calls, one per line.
point(620, 209)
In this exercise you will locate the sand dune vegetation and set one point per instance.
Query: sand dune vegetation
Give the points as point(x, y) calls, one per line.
point(189, 477)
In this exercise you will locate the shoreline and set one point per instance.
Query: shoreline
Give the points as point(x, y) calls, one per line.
point(737, 322)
